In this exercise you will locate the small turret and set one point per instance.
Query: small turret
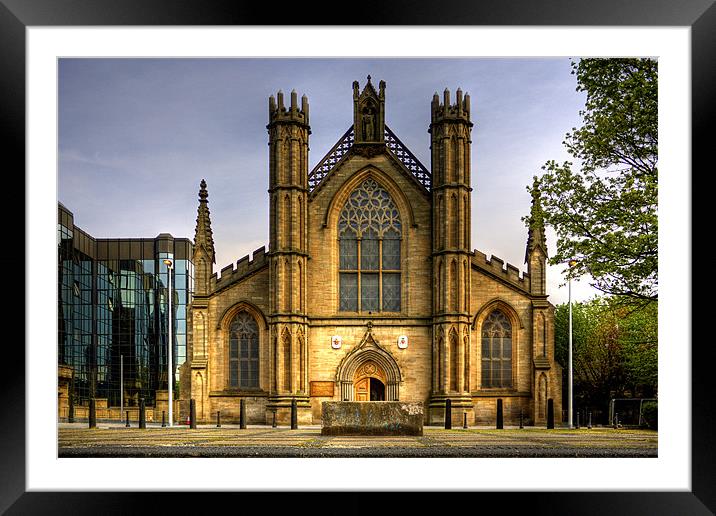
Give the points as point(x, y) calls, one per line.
point(536, 238)
point(204, 253)
point(203, 236)
point(536, 251)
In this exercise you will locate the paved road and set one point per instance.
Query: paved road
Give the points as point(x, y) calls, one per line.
point(76, 440)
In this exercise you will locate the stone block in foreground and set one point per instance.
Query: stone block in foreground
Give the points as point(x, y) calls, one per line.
point(372, 418)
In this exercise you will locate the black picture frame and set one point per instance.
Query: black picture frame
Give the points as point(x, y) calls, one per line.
point(17, 15)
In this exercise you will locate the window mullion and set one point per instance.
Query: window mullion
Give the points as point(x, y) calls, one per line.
point(358, 288)
point(489, 361)
point(492, 361)
point(380, 275)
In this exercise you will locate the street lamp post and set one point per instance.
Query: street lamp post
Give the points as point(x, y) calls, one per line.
point(170, 372)
point(572, 263)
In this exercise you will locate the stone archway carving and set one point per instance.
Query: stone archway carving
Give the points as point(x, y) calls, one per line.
point(369, 350)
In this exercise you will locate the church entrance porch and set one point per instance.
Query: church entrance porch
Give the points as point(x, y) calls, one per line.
point(369, 373)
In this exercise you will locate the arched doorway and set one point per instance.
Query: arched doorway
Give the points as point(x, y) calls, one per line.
point(369, 383)
point(368, 373)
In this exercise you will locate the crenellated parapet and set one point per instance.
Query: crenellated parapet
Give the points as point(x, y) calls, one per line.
point(278, 112)
point(244, 268)
point(505, 272)
point(446, 111)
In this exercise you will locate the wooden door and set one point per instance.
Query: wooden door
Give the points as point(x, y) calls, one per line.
point(362, 390)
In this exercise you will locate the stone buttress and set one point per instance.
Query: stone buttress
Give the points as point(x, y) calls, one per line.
point(450, 131)
point(288, 130)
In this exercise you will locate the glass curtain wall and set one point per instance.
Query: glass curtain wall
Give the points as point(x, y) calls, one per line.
point(112, 313)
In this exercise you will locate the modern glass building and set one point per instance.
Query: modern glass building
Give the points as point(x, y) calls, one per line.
point(112, 313)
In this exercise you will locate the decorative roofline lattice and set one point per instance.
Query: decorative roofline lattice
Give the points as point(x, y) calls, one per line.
point(396, 147)
point(332, 158)
point(406, 157)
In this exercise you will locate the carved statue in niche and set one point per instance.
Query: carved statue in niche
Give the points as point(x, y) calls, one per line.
point(368, 124)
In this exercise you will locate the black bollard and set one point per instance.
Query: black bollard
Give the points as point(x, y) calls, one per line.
point(92, 413)
point(192, 413)
point(589, 425)
point(464, 420)
point(127, 425)
point(142, 415)
point(521, 419)
point(577, 420)
point(294, 414)
point(448, 414)
point(218, 419)
point(164, 419)
point(71, 410)
point(242, 414)
point(550, 413)
point(500, 422)
point(273, 423)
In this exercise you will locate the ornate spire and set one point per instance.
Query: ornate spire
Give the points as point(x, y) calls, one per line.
point(203, 236)
point(535, 223)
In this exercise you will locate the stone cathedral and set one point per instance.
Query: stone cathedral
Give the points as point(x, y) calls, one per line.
point(369, 288)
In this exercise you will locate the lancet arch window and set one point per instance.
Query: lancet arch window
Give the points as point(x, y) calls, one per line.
point(243, 352)
point(497, 351)
point(370, 232)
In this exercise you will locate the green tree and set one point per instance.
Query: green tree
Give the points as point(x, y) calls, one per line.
point(605, 211)
point(614, 349)
point(639, 336)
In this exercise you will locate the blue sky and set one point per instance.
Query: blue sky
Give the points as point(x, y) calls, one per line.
point(136, 136)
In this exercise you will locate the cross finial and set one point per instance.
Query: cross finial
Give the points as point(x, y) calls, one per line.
point(369, 78)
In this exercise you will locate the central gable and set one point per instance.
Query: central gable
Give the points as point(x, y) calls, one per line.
point(342, 150)
point(369, 137)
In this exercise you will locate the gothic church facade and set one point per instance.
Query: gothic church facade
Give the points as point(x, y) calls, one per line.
point(369, 289)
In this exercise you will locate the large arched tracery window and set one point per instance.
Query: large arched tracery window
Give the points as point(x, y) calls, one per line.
point(369, 230)
point(497, 350)
point(243, 352)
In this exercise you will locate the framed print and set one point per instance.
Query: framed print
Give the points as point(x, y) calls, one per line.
point(27, 43)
